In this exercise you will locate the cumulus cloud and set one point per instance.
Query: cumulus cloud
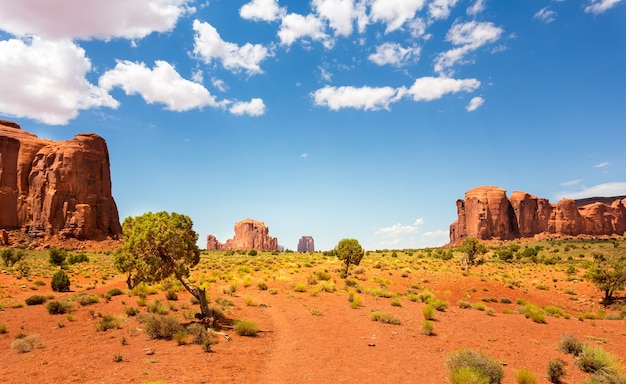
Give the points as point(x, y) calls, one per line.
point(254, 107)
point(440, 9)
point(394, 54)
point(431, 88)
point(397, 230)
point(394, 12)
point(295, 26)
point(546, 15)
point(51, 77)
point(85, 19)
point(162, 85)
point(208, 45)
point(375, 98)
point(600, 190)
point(475, 103)
point(600, 6)
point(261, 10)
point(339, 13)
point(408, 236)
point(468, 37)
point(476, 8)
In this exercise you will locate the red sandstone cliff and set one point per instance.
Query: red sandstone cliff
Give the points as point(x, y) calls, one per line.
point(487, 213)
point(56, 188)
point(249, 234)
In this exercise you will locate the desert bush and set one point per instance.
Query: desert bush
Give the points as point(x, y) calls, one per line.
point(115, 292)
point(262, 285)
point(86, 299)
point(24, 344)
point(595, 359)
point(56, 256)
point(157, 307)
point(131, 311)
point(428, 328)
point(245, 328)
point(536, 314)
point(300, 287)
point(327, 286)
point(438, 304)
point(60, 282)
point(75, 259)
point(36, 300)
point(485, 368)
point(181, 336)
point(525, 376)
point(603, 377)
point(10, 257)
point(556, 371)
point(323, 275)
point(428, 311)
point(467, 375)
point(385, 317)
point(464, 304)
point(479, 305)
point(59, 307)
point(3, 329)
point(251, 301)
point(569, 344)
point(107, 322)
point(160, 326)
point(354, 299)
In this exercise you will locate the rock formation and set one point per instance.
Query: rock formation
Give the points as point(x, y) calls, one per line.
point(56, 188)
point(487, 214)
point(306, 244)
point(249, 234)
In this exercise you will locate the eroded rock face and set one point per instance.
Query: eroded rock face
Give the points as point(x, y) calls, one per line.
point(56, 188)
point(306, 244)
point(249, 234)
point(487, 214)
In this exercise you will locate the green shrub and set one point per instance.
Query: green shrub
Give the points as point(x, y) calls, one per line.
point(157, 307)
point(115, 292)
point(556, 371)
point(385, 317)
point(59, 307)
point(428, 328)
point(3, 329)
point(24, 344)
point(603, 377)
point(75, 259)
point(245, 328)
point(536, 314)
point(36, 300)
point(322, 275)
point(160, 326)
point(486, 369)
point(300, 287)
point(10, 257)
point(525, 376)
point(594, 359)
point(428, 311)
point(86, 299)
point(464, 304)
point(569, 344)
point(131, 311)
point(60, 282)
point(56, 256)
point(107, 322)
point(467, 375)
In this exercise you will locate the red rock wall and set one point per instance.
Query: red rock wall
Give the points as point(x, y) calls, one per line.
point(487, 214)
point(56, 188)
point(249, 234)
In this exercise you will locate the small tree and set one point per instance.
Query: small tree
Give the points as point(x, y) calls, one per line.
point(609, 277)
point(472, 248)
point(159, 245)
point(350, 251)
point(60, 282)
point(56, 256)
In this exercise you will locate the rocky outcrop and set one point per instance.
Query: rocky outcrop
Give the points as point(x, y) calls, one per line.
point(249, 234)
point(56, 188)
point(306, 244)
point(488, 214)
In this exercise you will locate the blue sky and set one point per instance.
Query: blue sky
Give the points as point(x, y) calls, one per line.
point(329, 118)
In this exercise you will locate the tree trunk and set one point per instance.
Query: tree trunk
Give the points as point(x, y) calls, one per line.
point(198, 293)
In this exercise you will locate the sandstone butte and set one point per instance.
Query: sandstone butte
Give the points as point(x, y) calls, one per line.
point(249, 234)
point(306, 244)
point(488, 214)
point(50, 188)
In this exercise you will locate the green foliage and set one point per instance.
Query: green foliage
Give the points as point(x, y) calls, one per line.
point(428, 328)
point(107, 322)
point(59, 307)
point(485, 369)
point(10, 257)
point(525, 376)
point(467, 375)
point(245, 328)
point(556, 371)
point(3, 329)
point(56, 256)
point(36, 299)
point(85, 299)
point(115, 292)
point(471, 248)
point(536, 314)
point(160, 326)
point(252, 252)
point(350, 252)
point(80, 258)
point(595, 359)
point(608, 277)
point(385, 317)
point(569, 344)
point(60, 282)
point(428, 311)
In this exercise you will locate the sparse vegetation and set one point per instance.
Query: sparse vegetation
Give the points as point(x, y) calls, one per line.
point(245, 328)
point(385, 317)
point(475, 365)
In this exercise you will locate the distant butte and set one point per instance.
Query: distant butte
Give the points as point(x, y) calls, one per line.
point(249, 234)
point(487, 213)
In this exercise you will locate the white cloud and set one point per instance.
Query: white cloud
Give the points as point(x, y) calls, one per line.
point(602, 165)
point(600, 190)
point(571, 183)
point(546, 15)
point(45, 81)
point(84, 19)
point(475, 103)
point(254, 107)
point(219, 84)
point(399, 230)
point(476, 8)
point(304, 155)
point(431, 88)
point(208, 45)
point(600, 6)
point(324, 74)
point(366, 98)
point(417, 27)
point(394, 54)
point(339, 13)
point(440, 9)
point(394, 12)
point(295, 26)
point(265, 10)
point(162, 85)
point(469, 37)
